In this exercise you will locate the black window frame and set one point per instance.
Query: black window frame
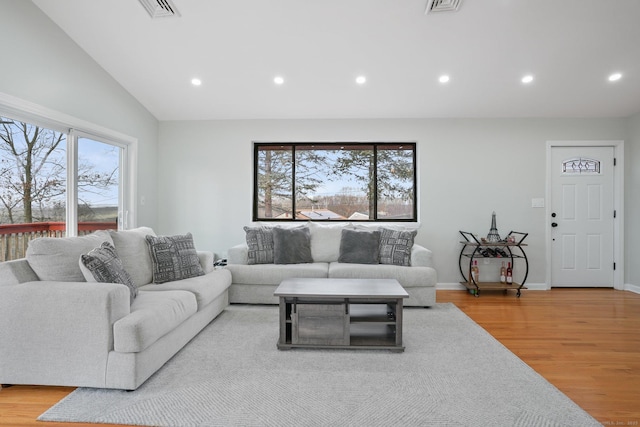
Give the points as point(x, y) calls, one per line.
point(376, 145)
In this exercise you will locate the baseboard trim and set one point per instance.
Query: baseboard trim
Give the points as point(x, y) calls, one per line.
point(530, 286)
point(459, 287)
point(450, 287)
point(632, 288)
point(537, 286)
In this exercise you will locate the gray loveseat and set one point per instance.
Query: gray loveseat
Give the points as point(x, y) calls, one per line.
point(255, 283)
point(57, 329)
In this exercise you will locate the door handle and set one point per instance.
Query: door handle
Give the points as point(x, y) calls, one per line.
point(554, 224)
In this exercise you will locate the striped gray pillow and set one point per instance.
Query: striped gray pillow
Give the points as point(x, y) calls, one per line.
point(104, 266)
point(173, 257)
point(260, 244)
point(395, 246)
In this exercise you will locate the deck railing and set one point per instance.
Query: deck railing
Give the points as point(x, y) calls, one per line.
point(15, 238)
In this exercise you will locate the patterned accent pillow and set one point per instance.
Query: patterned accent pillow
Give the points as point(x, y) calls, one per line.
point(395, 246)
point(103, 265)
point(173, 257)
point(260, 244)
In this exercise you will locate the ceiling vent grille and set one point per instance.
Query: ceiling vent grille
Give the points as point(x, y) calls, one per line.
point(160, 8)
point(442, 6)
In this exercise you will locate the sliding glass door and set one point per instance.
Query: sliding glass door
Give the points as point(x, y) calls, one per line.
point(98, 183)
point(57, 182)
point(33, 178)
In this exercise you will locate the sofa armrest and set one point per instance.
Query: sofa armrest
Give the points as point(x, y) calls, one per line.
point(421, 256)
point(58, 332)
point(238, 254)
point(206, 260)
point(16, 271)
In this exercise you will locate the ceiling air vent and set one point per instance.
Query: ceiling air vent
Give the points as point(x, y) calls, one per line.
point(160, 8)
point(442, 6)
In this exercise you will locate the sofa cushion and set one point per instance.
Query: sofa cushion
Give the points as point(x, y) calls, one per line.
point(132, 249)
point(103, 265)
point(260, 245)
point(291, 245)
point(174, 258)
point(395, 246)
point(359, 246)
point(56, 258)
point(408, 277)
point(153, 315)
point(205, 288)
point(16, 271)
point(273, 274)
point(325, 241)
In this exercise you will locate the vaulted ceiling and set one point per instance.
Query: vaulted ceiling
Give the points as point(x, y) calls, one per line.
point(237, 47)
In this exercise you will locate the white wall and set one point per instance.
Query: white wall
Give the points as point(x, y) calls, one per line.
point(467, 169)
point(632, 204)
point(40, 64)
point(199, 177)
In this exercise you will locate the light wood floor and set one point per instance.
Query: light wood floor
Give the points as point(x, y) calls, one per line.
point(584, 341)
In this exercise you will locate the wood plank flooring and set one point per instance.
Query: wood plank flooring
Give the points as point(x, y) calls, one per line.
point(584, 341)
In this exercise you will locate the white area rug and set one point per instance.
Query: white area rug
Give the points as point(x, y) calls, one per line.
point(452, 373)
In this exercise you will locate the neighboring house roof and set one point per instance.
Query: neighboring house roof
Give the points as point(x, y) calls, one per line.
point(318, 214)
point(359, 216)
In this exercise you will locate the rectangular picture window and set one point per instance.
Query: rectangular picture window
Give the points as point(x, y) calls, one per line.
point(335, 181)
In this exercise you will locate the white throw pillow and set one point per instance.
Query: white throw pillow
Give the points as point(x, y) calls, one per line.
point(325, 241)
point(134, 252)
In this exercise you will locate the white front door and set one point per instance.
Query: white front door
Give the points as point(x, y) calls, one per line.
point(582, 216)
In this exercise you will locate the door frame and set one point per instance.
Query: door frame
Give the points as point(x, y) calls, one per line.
point(618, 205)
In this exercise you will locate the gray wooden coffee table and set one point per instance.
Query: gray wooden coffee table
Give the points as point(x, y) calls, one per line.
point(341, 313)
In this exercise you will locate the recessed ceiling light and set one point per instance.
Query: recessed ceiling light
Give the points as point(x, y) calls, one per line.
point(615, 77)
point(278, 80)
point(361, 80)
point(196, 82)
point(527, 79)
point(443, 79)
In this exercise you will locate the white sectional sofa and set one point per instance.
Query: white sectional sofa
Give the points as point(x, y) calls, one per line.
point(58, 329)
point(255, 283)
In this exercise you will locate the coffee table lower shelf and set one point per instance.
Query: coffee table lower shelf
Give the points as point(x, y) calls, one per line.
point(341, 324)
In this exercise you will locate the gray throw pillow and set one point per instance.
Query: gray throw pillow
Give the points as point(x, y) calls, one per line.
point(174, 258)
point(359, 247)
point(395, 246)
point(260, 244)
point(292, 245)
point(104, 266)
